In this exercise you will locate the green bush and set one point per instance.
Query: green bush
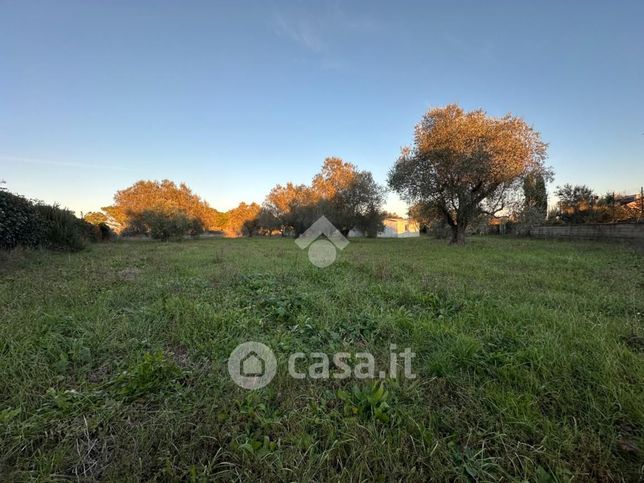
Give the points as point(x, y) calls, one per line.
point(32, 224)
point(98, 226)
point(61, 230)
point(439, 229)
point(163, 225)
point(196, 227)
point(106, 233)
point(19, 222)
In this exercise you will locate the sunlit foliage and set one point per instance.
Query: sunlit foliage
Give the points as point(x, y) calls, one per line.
point(349, 198)
point(466, 164)
point(162, 196)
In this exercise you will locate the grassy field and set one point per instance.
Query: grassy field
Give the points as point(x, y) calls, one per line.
point(529, 362)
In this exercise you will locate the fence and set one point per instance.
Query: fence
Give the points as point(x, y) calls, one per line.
point(591, 231)
point(587, 231)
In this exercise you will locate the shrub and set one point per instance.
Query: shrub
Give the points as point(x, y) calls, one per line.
point(19, 222)
point(168, 226)
point(196, 227)
point(32, 224)
point(106, 232)
point(99, 230)
point(440, 229)
point(61, 230)
point(163, 225)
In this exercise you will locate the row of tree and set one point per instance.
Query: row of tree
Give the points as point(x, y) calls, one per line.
point(462, 165)
point(348, 197)
point(580, 204)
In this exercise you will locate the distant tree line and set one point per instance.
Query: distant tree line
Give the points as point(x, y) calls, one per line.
point(463, 168)
point(580, 204)
point(348, 197)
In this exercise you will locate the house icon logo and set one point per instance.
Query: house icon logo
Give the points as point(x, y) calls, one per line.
point(322, 251)
point(252, 365)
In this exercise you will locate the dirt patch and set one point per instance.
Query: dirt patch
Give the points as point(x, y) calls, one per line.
point(180, 356)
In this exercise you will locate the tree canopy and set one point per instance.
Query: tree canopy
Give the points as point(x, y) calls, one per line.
point(95, 217)
point(465, 164)
point(164, 197)
point(348, 197)
point(576, 203)
point(242, 220)
point(424, 214)
point(535, 199)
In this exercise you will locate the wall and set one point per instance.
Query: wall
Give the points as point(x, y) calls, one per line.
point(591, 231)
point(394, 228)
point(399, 228)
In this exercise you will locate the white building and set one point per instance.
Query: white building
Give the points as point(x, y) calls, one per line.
point(395, 227)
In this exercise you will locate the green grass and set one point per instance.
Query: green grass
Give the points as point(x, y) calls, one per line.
point(529, 362)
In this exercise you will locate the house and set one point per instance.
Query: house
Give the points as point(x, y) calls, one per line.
point(395, 227)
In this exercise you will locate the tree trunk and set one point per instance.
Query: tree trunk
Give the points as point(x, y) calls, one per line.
point(458, 234)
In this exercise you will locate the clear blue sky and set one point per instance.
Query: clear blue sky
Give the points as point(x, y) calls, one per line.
point(234, 97)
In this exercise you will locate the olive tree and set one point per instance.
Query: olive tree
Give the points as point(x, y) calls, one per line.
point(348, 197)
point(465, 164)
